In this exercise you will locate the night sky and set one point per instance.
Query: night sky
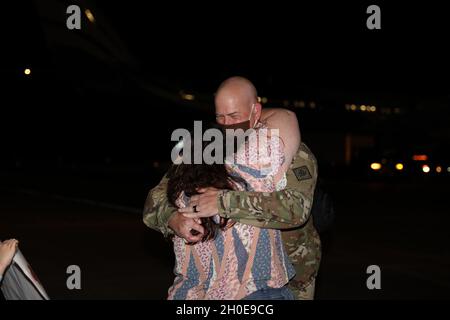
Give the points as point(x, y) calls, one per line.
point(321, 52)
point(321, 45)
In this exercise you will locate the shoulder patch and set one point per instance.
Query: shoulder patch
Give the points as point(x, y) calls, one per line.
point(302, 173)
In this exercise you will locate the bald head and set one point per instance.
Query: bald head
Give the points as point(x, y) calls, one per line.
point(234, 100)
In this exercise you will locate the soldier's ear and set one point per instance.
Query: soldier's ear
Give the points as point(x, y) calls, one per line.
point(258, 108)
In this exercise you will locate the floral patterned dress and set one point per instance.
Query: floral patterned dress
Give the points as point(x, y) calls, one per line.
point(241, 259)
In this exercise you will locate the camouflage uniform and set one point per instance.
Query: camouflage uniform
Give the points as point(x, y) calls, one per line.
point(288, 210)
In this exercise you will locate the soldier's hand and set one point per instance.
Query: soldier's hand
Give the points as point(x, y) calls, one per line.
point(187, 228)
point(205, 204)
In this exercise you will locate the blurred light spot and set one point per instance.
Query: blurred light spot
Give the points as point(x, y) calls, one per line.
point(420, 157)
point(448, 169)
point(187, 96)
point(362, 108)
point(312, 105)
point(397, 110)
point(438, 169)
point(399, 166)
point(286, 103)
point(425, 168)
point(299, 104)
point(89, 15)
point(373, 108)
point(347, 106)
point(264, 100)
point(27, 71)
point(353, 107)
point(375, 166)
point(386, 110)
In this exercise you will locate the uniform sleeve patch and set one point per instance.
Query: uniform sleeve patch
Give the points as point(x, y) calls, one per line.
point(302, 173)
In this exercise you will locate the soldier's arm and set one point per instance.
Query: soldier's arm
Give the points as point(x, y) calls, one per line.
point(158, 210)
point(283, 209)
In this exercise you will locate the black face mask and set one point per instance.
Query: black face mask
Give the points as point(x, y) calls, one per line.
point(244, 125)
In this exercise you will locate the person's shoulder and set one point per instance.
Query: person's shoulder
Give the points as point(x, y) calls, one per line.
point(304, 154)
point(273, 114)
point(284, 111)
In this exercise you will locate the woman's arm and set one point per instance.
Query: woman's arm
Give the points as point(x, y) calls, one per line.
point(286, 122)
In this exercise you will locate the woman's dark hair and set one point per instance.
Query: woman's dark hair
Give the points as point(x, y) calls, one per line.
point(188, 178)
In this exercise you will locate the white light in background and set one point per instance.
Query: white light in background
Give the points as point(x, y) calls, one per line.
point(375, 166)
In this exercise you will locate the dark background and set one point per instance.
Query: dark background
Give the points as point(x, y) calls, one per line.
point(87, 134)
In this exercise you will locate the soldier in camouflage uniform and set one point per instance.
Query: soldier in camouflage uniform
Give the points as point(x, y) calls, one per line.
point(287, 210)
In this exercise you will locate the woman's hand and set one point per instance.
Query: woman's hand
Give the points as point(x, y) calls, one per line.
point(7, 251)
point(184, 227)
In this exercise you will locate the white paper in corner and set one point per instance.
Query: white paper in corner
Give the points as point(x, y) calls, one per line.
point(21, 275)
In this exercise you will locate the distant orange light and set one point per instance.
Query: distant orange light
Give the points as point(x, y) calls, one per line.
point(420, 157)
point(438, 169)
